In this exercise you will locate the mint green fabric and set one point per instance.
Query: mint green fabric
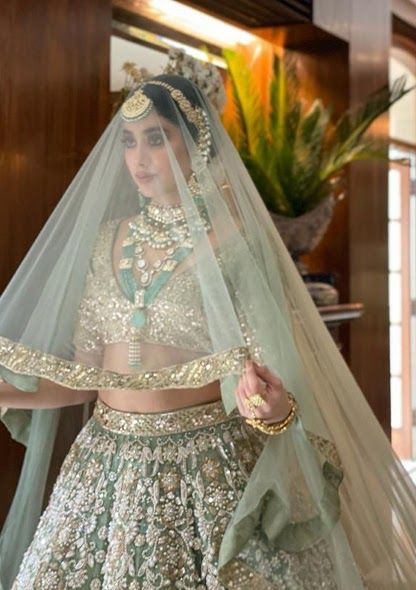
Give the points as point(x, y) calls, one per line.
point(291, 522)
point(122, 528)
point(18, 421)
point(36, 429)
point(64, 318)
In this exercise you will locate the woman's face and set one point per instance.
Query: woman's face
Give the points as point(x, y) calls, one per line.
point(147, 158)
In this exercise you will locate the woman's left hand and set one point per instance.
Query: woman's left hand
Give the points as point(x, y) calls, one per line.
point(260, 380)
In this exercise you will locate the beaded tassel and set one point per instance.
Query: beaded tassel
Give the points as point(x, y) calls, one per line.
point(138, 321)
point(134, 354)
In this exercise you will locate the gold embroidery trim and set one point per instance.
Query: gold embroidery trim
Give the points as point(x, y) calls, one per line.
point(161, 423)
point(196, 373)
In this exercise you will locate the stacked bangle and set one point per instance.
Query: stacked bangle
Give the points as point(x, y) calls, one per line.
point(276, 427)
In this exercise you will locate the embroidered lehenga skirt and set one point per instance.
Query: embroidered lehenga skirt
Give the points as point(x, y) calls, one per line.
point(142, 502)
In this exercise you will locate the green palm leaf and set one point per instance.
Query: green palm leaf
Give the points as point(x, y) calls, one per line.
point(247, 98)
point(354, 123)
point(293, 156)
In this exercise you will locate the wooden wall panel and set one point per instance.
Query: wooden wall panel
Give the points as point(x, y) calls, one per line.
point(369, 43)
point(369, 66)
point(54, 68)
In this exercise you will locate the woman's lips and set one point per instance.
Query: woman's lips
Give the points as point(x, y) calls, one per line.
point(144, 178)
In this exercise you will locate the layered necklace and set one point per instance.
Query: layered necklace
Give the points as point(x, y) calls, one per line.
point(159, 227)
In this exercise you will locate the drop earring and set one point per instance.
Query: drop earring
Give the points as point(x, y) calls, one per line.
point(193, 185)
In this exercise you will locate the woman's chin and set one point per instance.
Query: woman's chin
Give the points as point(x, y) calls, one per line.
point(148, 191)
point(145, 193)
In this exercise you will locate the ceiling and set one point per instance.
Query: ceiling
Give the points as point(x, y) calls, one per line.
point(246, 13)
point(259, 13)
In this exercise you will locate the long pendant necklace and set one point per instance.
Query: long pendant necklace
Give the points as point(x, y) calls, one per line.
point(161, 228)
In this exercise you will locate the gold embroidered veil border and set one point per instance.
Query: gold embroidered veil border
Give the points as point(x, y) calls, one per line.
point(196, 373)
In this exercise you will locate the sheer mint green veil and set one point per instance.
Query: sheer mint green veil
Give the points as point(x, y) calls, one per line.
point(37, 429)
point(331, 478)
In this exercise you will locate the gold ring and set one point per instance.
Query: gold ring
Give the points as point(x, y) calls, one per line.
point(255, 401)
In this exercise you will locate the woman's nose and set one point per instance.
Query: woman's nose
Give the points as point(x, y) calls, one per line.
point(142, 155)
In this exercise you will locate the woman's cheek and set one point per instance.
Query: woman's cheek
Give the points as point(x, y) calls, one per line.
point(164, 165)
point(128, 160)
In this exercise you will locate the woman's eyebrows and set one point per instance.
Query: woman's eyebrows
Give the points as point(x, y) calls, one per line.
point(151, 129)
point(148, 130)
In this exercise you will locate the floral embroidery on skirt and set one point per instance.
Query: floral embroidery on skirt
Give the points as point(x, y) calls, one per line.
point(133, 509)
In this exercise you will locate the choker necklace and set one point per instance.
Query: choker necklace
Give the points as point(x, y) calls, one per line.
point(165, 213)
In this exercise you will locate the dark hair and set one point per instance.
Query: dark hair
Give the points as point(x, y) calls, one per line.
point(165, 105)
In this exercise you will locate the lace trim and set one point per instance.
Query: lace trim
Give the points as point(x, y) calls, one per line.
point(196, 373)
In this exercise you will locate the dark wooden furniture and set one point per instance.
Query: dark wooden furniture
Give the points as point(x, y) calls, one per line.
point(335, 316)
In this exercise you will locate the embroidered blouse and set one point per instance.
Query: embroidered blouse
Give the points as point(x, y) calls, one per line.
point(176, 316)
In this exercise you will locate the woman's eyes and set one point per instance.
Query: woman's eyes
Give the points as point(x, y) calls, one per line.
point(128, 142)
point(154, 140)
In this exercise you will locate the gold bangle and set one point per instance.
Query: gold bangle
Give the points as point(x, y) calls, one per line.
point(276, 427)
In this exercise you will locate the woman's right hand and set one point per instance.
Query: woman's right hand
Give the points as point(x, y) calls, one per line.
point(257, 379)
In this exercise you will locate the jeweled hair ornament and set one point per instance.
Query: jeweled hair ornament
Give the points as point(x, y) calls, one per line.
point(136, 107)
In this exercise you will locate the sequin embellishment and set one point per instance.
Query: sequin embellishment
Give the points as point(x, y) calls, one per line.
point(196, 373)
point(149, 512)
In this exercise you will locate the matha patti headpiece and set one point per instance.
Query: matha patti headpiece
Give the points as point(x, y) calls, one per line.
point(136, 107)
point(139, 105)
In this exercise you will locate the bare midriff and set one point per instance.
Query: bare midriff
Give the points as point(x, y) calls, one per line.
point(153, 400)
point(159, 400)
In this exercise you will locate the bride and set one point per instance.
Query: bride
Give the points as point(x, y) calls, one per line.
point(229, 446)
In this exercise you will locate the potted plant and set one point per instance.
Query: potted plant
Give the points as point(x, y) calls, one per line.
point(295, 154)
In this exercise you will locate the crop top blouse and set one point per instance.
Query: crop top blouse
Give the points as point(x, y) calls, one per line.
point(175, 317)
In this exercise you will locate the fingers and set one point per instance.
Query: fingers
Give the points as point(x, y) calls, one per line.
point(241, 397)
point(251, 382)
point(251, 385)
point(267, 375)
point(248, 385)
point(240, 404)
point(259, 379)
